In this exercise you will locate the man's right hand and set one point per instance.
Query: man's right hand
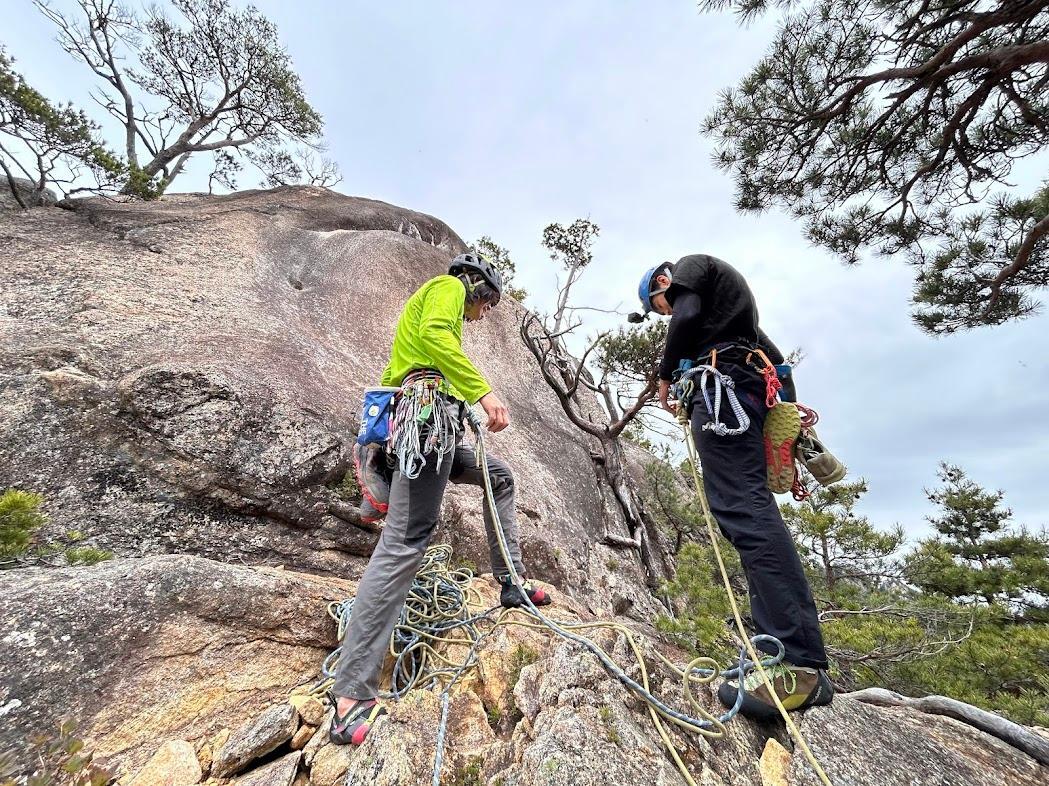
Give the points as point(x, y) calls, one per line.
point(498, 414)
point(664, 395)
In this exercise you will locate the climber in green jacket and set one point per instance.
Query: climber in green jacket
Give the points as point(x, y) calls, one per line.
point(437, 378)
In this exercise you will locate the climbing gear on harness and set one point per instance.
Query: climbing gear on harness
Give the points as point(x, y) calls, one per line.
point(376, 414)
point(353, 727)
point(781, 431)
point(372, 473)
point(767, 370)
point(422, 423)
point(684, 390)
point(645, 291)
point(824, 467)
point(510, 596)
point(796, 687)
point(475, 263)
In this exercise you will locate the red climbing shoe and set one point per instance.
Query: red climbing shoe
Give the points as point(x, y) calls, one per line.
point(369, 467)
point(353, 727)
point(511, 598)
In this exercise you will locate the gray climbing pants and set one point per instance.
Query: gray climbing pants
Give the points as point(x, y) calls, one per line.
point(410, 521)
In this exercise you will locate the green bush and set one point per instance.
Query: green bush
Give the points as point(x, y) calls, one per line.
point(697, 589)
point(20, 517)
point(86, 555)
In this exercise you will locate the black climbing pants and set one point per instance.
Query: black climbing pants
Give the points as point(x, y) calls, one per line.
point(735, 480)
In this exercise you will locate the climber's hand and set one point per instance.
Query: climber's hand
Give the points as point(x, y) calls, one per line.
point(498, 414)
point(664, 393)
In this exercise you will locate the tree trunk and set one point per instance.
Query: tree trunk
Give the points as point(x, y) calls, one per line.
point(828, 568)
point(615, 473)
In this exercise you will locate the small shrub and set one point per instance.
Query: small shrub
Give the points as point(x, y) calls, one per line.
point(605, 714)
point(470, 775)
point(86, 555)
point(348, 488)
point(60, 760)
point(20, 517)
point(495, 714)
point(522, 656)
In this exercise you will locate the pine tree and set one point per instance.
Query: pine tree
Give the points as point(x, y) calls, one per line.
point(894, 127)
point(977, 554)
point(837, 544)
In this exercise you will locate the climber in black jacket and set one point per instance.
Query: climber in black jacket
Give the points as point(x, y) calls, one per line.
point(711, 307)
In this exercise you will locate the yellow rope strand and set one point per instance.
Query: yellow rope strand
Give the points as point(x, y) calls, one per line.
point(795, 732)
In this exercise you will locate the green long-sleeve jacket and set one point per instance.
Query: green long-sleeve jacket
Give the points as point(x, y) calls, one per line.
point(430, 335)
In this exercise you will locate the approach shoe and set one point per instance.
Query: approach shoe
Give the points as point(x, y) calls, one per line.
point(369, 467)
point(353, 727)
point(820, 462)
point(797, 687)
point(511, 598)
point(782, 428)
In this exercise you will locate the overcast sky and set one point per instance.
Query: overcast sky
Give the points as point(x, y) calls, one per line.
point(502, 117)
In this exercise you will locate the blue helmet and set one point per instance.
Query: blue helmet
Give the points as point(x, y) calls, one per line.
point(644, 289)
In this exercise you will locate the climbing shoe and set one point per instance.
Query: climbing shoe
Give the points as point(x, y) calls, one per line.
point(369, 513)
point(797, 687)
point(353, 727)
point(511, 598)
point(820, 462)
point(782, 428)
point(369, 467)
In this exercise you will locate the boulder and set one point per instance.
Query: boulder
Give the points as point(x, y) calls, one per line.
point(858, 744)
point(139, 651)
point(174, 764)
point(30, 195)
point(267, 732)
point(281, 772)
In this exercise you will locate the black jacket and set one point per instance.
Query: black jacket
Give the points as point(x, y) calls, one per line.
point(712, 304)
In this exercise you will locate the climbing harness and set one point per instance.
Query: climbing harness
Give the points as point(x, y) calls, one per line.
point(422, 423)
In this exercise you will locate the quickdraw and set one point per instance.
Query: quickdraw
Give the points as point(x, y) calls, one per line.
point(421, 423)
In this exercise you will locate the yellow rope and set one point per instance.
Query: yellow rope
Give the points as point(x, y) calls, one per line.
point(795, 732)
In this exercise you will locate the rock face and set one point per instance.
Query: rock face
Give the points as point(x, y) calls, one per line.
point(140, 651)
point(183, 654)
point(185, 376)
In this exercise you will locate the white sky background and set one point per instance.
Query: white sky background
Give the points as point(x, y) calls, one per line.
point(502, 117)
